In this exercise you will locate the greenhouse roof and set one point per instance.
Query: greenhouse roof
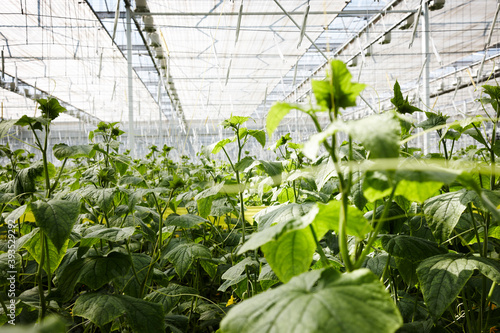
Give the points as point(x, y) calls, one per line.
point(194, 63)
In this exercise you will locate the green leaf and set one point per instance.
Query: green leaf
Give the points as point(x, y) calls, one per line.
point(113, 234)
point(244, 163)
point(328, 215)
point(442, 278)
point(184, 221)
point(417, 191)
point(280, 214)
point(102, 197)
point(233, 121)
point(183, 255)
point(50, 107)
point(55, 255)
point(204, 206)
point(382, 138)
point(235, 271)
point(16, 213)
point(318, 301)
point(276, 113)
point(5, 126)
point(51, 324)
point(8, 262)
point(402, 105)
point(412, 248)
point(35, 122)
point(170, 296)
point(291, 254)
point(272, 168)
point(273, 233)
point(93, 271)
point(419, 185)
point(259, 135)
point(6, 198)
point(211, 191)
point(376, 185)
point(219, 145)
point(131, 282)
point(56, 218)
point(142, 316)
point(443, 212)
point(337, 85)
point(62, 151)
point(25, 181)
point(433, 120)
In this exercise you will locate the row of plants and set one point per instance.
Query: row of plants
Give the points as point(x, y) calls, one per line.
point(353, 230)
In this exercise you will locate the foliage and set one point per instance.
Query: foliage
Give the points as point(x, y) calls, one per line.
point(352, 230)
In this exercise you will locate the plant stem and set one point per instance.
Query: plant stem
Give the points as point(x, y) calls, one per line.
point(39, 275)
point(45, 162)
point(58, 177)
point(318, 246)
point(344, 249)
point(375, 233)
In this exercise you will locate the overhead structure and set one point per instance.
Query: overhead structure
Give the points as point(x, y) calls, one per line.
point(184, 66)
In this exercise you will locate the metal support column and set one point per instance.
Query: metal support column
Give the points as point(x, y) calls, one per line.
point(160, 127)
point(426, 70)
point(131, 137)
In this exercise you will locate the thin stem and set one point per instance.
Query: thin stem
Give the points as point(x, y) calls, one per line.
point(39, 274)
point(58, 177)
point(375, 233)
point(318, 246)
point(344, 250)
point(469, 206)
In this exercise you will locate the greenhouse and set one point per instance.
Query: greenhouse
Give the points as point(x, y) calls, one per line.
point(249, 166)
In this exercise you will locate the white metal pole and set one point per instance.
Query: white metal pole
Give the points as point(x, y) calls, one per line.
point(160, 127)
point(131, 138)
point(426, 59)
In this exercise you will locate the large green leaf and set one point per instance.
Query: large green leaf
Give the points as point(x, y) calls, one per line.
point(142, 316)
point(62, 151)
point(184, 221)
point(443, 212)
point(16, 213)
point(169, 297)
point(291, 254)
point(377, 133)
point(50, 107)
point(318, 301)
point(55, 255)
point(25, 181)
point(183, 255)
point(442, 278)
point(328, 216)
point(56, 218)
point(337, 91)
point(93, 271)
point(102, 197)
point(205, 198)
point(276, 113)
point(113, 234)
point(280, 214)
point(411, 248)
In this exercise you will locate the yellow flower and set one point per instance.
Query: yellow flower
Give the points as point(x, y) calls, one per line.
point(230, 301)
